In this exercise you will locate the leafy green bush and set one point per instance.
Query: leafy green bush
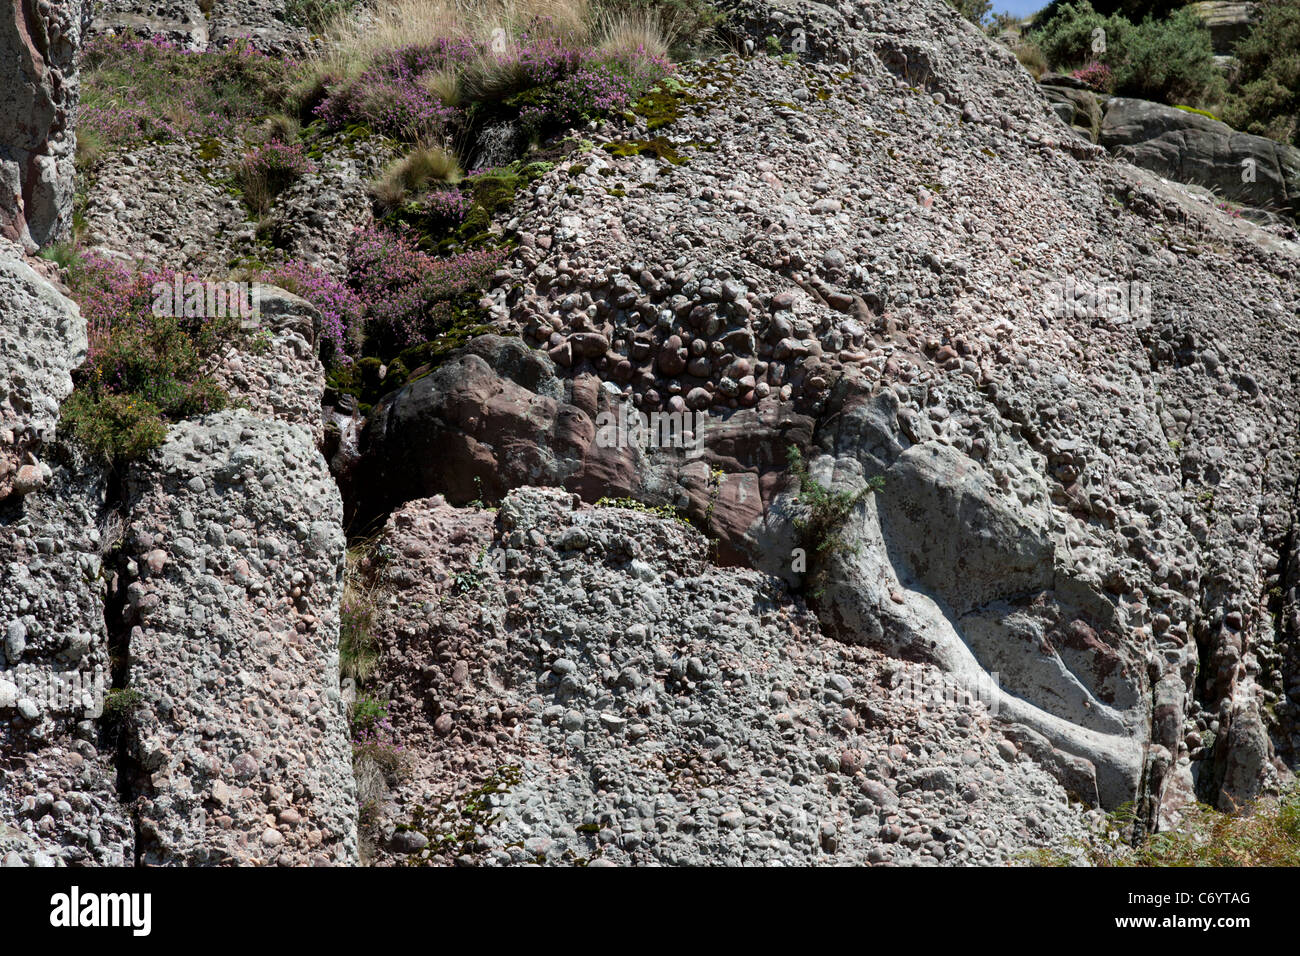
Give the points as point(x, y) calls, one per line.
point(1169, 60)
point(1070, 37)
point(1166, 60)
point(1266, 97)
point(1132, 10)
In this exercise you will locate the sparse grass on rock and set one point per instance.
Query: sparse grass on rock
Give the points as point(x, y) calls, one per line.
point(1267, 834)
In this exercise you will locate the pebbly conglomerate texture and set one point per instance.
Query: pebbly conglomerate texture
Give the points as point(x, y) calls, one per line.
point(241, 749)
point(627, 702)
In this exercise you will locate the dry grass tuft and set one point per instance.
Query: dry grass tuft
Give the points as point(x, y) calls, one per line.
point(414, 172)
point(626, 33)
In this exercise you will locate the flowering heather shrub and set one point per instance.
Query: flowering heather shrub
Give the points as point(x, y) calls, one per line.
point(550, 79)
point(1096, 75)
point(142, 370)
point(268, 170)
point(135, 91)
point(446, 205)
point(373, 735)
point(413, 295)
point(342, 310)
point(389, 96)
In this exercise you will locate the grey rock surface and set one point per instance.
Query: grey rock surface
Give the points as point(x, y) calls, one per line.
point(236, 540)
point(42, 339)
point(1190, 148)
point(626, 702)
point(38, 44)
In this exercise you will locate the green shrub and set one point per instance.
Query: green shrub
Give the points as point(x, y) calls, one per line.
point(114, 427)
point(267, 170)
point(1069, 38)
point(1266, 97)
point(1132, 10)
point(1166, 60)
point(142, 369)
point(825, 514)
point(1169, 60)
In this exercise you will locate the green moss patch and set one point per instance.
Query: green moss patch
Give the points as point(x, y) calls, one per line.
point(659, 148)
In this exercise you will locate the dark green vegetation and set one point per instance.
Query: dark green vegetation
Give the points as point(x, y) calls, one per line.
point(820, 527)
point(1161, 51)
point(1266, 96)
point(143, 369)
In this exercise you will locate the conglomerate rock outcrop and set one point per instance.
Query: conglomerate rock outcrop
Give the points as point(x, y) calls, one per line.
point(38, 102)
point(1075, 380)
point(1058, 391)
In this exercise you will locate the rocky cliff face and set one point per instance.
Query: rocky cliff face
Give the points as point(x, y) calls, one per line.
point(1057, 391)
point(1093, 500)
point(38, 43)
point(203, 588)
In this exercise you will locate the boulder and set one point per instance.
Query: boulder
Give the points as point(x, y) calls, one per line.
point(1191, 148)
point(37, 144)
point(1077, 106)
point(1227, 20)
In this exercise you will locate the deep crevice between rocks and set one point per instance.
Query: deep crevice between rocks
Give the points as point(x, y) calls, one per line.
point(115, 724)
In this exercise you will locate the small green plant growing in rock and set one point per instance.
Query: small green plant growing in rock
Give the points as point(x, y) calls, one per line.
point(662, 511)
point(260, 342)
point(480, 499)
point(819, 529)
point(64, 254)
point(466, 581)
point(120, 704)
point(455, 827)
point(367, 712)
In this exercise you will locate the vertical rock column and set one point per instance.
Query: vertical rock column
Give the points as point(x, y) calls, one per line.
point(240, 748)
point(38, 102)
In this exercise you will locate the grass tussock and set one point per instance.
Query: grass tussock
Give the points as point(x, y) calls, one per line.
point(415, 172)
point(358, 609)
point(402, 23)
